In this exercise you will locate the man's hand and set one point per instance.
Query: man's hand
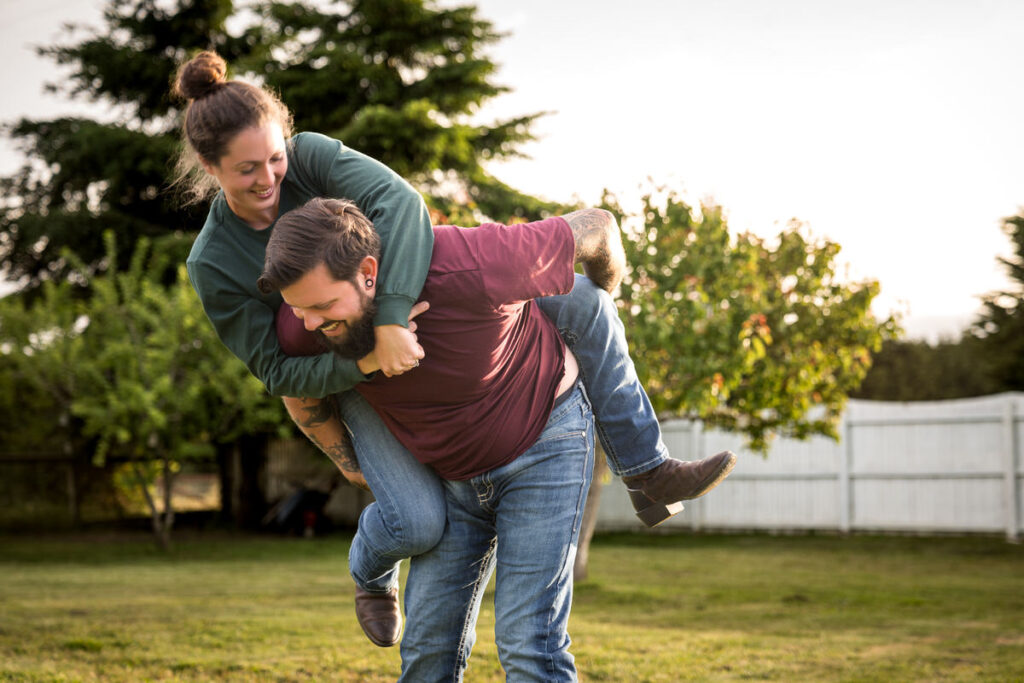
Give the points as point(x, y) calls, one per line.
point(397, 350)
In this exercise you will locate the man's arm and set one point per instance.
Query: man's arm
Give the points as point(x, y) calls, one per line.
point(598, 246)
point(319, 421)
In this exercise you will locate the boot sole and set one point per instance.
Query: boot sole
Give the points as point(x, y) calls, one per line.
point(717, 477)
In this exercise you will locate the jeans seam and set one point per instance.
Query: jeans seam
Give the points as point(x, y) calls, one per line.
point(468, 624)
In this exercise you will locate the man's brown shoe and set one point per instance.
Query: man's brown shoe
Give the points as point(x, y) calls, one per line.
point(380, 616)
point(657, 494)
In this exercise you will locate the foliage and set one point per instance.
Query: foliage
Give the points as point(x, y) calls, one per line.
point(749, 335)
point(396, 79)
point(914, 370)
point(987, 359)
point(138, 366)
point(999, 330)
point(42, 349)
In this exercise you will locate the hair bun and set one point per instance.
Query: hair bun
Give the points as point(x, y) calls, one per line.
point(201, 75)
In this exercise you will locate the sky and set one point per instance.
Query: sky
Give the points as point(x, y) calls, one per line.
point(890, 127)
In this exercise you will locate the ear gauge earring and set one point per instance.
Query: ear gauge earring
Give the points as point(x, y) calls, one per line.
point(369, 282)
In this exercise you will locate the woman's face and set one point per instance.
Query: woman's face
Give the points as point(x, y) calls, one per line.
point(250, 173)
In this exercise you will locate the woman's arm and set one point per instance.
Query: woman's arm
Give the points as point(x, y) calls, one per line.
point(399, 216)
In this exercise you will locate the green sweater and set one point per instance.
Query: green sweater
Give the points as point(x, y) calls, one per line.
point(227, 259)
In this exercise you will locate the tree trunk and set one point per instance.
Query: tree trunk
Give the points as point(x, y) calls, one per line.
point(597, 482)
point(251, 503)
point(226, 472)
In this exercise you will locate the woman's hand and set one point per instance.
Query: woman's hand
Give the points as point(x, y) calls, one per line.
point(397, 350)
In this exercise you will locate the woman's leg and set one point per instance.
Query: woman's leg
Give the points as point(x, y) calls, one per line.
point(624, 418)
point(626, 424)
point(408, 515)
point(406, 519)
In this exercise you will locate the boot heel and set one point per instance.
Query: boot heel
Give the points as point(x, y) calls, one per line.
point(651, 513)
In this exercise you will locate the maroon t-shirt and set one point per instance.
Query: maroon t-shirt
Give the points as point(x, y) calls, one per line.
point(484, 391)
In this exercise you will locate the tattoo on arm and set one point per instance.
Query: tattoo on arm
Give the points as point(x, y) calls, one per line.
point(342, 454)
point(316, 414)
point(598, 246)
point(315, 422)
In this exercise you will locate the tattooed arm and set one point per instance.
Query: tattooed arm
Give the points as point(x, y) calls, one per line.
point(319, 421)
point(598, 246)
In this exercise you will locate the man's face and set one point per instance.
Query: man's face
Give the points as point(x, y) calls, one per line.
point(340, 310)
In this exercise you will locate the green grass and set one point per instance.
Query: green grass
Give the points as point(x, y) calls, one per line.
point(655, 608)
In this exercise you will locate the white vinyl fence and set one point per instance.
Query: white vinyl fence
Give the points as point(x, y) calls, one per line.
point(920, 467)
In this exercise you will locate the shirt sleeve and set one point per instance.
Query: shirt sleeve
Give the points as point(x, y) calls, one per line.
point(524, 261)
point(246, 325)
point(397, 211)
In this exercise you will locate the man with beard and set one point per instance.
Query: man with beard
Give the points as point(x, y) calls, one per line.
point(495, 408)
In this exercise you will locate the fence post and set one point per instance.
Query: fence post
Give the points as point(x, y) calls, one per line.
point(845, 484)
point(1010, 460)
point(696, 447)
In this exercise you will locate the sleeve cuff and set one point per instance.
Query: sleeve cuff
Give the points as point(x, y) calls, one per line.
point(393, 309)
point(348, 372)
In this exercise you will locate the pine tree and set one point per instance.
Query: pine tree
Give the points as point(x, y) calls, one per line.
point(396, 79)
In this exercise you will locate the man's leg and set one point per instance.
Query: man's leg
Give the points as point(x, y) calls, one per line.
point(445, 587)
point(625, 421)
point(540, 501)
point(406, 519)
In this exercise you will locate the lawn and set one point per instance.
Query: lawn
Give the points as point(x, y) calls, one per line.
point(655, 608)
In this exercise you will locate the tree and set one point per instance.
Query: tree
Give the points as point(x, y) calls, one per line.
point(999, 330)
point(135, 367)
point(162, 389)
point(402, 77)
point(42, 350)
point(746, 334)
point(914, 370)
point(397, 79)
point(83, 176)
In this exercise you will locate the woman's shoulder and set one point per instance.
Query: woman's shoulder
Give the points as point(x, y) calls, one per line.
point(308, 144)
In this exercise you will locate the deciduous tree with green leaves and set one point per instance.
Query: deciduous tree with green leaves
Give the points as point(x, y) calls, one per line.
point(747, 334)
point(135, 367)
point(162, 389)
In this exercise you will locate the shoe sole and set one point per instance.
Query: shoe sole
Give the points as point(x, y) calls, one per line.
point(717, 476)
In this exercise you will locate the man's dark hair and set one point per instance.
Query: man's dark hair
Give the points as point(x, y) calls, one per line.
point(329, 231)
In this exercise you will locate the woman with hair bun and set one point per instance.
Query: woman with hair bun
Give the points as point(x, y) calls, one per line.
point(238, 139)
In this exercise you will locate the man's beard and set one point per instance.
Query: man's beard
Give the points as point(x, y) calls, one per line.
point(361, 337)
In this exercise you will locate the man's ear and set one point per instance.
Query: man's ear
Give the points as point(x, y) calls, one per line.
point(368, 269)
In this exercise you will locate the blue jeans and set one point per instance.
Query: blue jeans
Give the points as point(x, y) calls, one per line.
point(626, 424)
point(524, 520)
point(408, 517)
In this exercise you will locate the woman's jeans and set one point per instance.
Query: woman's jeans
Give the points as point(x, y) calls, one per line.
point(522, 519)
point(408, 516)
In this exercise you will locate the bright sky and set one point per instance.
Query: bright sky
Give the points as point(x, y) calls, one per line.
point(889, 126)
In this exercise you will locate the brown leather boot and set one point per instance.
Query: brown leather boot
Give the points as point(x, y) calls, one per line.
point(380, 616)
point(657, 494)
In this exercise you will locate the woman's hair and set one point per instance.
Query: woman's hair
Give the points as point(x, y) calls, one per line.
point(329, 231)
point(218, 110)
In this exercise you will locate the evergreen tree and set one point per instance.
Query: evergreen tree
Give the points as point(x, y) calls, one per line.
point(1000, 328)
point(396, 79)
